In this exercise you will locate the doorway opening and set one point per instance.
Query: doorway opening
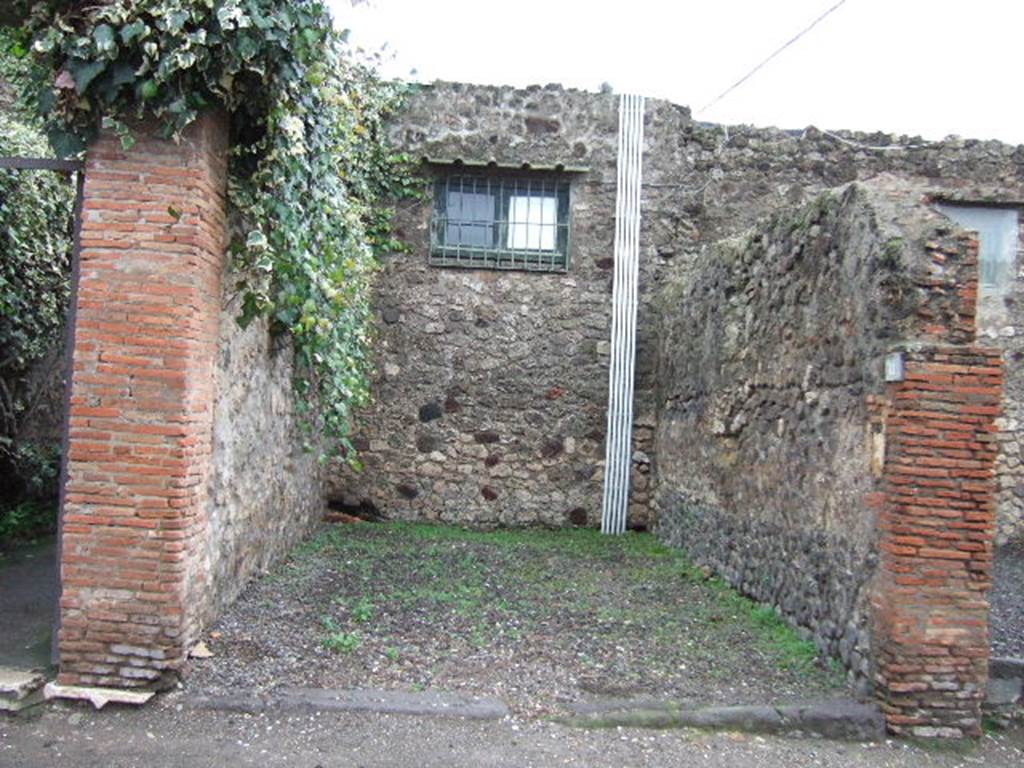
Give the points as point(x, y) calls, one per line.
point(40, 201)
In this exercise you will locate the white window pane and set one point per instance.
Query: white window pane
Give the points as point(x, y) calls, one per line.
point(531, 223)
point(997, 230)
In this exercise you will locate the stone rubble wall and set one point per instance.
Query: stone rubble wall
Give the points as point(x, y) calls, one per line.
point(860, 510)
point(491, 390)
point(475, 340)
point(739, 174)
point(768, 347)
point(265, 490)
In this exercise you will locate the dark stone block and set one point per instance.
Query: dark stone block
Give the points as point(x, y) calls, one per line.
point(486, 437)
point(407, 491)
point(492, 461)
point(430, 411)
point(586, 472)
point(541, 125)
point(552, 448)
point(488, 493)
point(426, 443)
point(607, 263)
point(577, 516)
point(451, 405)
point(390, 315)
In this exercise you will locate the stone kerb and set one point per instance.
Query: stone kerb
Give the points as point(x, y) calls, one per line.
point(147, 308)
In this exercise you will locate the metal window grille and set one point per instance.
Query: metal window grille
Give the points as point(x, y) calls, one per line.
point(501, 221)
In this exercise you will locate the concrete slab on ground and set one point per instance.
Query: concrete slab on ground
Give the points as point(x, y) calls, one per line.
point(20, 689)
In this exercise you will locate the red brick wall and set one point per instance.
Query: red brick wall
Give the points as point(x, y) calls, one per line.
point(935, 540)
point(147, 306)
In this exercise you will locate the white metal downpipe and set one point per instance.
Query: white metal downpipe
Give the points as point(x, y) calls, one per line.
point(619, 434)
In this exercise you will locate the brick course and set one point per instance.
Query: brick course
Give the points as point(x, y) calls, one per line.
point(147, 313)
point(936, 524)
point(929, 602)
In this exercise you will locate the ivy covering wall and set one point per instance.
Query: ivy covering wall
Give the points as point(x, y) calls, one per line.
point(310, 174)
point(35, 248)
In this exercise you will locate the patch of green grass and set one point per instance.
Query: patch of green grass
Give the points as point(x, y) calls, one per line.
point(481, 635)
point(492, 586)
point(336, 639)
point(947, 746)
point(581, 541)
point(362, 612)
point(780, 640)
point(792, 651)
point(463, 596)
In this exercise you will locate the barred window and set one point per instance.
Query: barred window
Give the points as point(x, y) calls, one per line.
point(496, 220)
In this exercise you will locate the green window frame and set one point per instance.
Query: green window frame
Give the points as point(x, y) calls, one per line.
point(501, 220)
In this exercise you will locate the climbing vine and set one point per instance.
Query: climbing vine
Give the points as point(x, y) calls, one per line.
point(35, 248)
point(310, 172)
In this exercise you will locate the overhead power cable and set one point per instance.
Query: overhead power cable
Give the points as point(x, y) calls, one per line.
point(784, 46)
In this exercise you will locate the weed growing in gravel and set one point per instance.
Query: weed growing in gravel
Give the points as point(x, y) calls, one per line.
point(336, 639)
point(362, 612)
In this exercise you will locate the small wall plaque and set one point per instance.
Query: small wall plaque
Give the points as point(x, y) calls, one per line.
point(894, 366)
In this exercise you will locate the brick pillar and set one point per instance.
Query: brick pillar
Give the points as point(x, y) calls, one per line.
point(147, 307)
point(930, 608)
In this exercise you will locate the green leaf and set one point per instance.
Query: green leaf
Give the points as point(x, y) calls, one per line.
point(309, 176)
point(256, 239)
point(134, 31)
point(176, 20)
point(84, 72)
point(65, 143)
point(104, 39)
point(121, 74)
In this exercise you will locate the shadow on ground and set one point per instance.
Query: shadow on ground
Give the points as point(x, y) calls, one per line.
point(28, 599)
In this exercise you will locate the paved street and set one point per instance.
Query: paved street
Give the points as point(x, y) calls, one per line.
point(167, 735)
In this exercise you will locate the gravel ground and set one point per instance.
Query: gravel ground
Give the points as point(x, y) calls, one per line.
point(164, 735)
point(1006, 616)
point(538, 619)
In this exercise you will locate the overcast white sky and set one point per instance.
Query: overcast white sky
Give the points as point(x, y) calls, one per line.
point(920, 67)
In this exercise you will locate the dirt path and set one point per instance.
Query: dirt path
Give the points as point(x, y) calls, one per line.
point(539, 619)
